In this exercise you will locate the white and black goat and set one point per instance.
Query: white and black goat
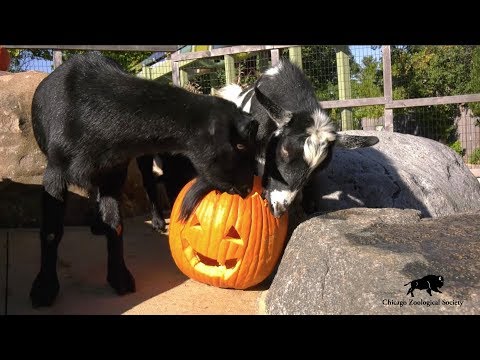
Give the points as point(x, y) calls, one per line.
point(90, 118)
point(295, 136)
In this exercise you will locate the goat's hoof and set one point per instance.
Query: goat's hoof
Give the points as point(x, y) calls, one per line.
point(159, 225)
point(44, 290)
point(121, 280)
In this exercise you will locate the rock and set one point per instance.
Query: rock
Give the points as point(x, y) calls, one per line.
point(22, 163)
point(356, 261)
point(401, 171)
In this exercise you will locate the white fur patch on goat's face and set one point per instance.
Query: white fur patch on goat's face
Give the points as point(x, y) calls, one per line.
point(321, 134)
point(281, 199)
point(274, 70)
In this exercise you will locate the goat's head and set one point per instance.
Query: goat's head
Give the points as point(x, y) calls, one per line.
point(226, 158)
point(302, 143)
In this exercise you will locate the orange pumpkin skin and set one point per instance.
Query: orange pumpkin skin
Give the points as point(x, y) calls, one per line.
point(228, 241)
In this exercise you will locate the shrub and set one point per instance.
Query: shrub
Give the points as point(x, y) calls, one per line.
point(457, 147)
point(475, 157)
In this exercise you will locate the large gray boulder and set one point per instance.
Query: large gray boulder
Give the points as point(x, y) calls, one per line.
point(22, 163)
point(401, 171)
point(357, 261)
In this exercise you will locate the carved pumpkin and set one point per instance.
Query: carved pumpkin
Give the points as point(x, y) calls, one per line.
point(228, 241)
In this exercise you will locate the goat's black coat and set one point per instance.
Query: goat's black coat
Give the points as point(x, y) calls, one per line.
point(90, 118)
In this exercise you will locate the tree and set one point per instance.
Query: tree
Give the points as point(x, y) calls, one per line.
point(426, 71)
point(368, 83)
point(21, 59)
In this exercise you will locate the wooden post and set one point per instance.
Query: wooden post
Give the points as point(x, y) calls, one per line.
point(275, 53)
point(57, 58)
point(387, 87)
point(229, 69)
point(183, 74)
point(295, 55)
point(344, 86)
point(175, 73)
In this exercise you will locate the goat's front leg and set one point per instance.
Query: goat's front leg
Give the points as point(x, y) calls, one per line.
point(118, 276)
point(45, 287)
point(145, 164)
point(97, 227)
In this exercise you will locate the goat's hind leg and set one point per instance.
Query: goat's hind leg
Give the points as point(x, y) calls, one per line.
point(145, 164)
point(118, 276)
point(45, 287)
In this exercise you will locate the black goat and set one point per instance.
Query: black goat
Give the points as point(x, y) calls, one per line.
point(90, 118)
point(295, 136)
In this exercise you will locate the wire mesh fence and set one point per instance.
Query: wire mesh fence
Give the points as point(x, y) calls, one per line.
point(336, 73)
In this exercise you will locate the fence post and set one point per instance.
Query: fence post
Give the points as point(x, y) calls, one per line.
point(275, 56)
point(295, 55)
point(175, 73)
point(57, 58)
point(344, 86)
point(229, 69)
point(387, 86)
point(183, 74)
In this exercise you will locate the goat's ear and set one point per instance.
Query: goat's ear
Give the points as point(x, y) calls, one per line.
point(277, 113)
point(355, 141)
point(247, 127)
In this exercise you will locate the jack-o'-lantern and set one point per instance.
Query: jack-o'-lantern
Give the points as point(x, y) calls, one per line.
point(228, 241)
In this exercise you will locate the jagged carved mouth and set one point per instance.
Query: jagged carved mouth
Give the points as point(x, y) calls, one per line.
point(208, 266)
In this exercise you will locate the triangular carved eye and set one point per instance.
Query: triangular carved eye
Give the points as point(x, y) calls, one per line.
point(233, 236)
point(194, 221)
point(232, 233)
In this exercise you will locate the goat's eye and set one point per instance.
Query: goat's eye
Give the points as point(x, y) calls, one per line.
point(241, 147)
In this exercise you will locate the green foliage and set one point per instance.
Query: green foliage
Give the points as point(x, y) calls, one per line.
point(320, 66)
point(127, 59)
point(474, 84)
point(457, 147)
point(21, 59)
point(369, 84)
point(427, 71)
point(474, 157)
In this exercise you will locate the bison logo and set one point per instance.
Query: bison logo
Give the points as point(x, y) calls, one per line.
point(429, 283)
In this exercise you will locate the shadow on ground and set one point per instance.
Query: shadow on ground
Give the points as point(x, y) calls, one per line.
point(20, 206)
point(161, 287)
